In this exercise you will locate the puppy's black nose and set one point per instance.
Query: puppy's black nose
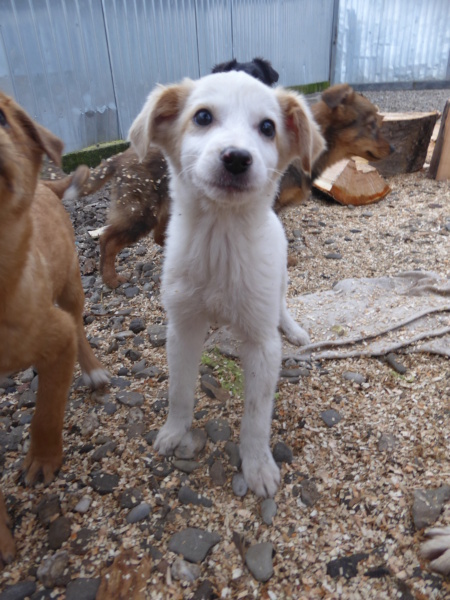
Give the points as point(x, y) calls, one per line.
point(236, 161)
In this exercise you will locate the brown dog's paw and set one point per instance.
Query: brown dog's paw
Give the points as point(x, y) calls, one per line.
point(7, 545)
point(35, 465)
point(113, 281)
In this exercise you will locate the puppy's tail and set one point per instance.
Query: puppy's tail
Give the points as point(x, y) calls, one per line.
point(86, 181)
point(75, 180)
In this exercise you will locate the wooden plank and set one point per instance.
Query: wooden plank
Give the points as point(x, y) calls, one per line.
point(440, 161)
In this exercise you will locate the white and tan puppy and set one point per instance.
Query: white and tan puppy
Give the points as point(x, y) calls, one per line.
point(228, 139)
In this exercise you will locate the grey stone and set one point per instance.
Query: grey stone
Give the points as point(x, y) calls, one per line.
point(347, 566)
point(330, 417)
point(81, 542)
point(387, 442)
point(18, 591)
point(139, 366)
point(59, 532)
point(82, 588)
point(218, 430)
point(217, 473)
point(187, 466)
point(205, 591)
point(104, 483)
point(232, 450)
point(138, 513)
point(268, 510)
point(130, 398)
point(186, 495)
point(89, 425)
point(137, 325)
point(259, 560)
point(83, 505)
point(185, 571)
point(282, 453)
point(193, 543)
point(131, 292)
point(54, 570)
point(309, 493)
point(334, 255)
point(355, 377)
point(428, 504)
point(130, 498)
point(392, 361)
point(104, 450)
point(157, 335)
point(239, 485)
point(27, 399)
point(119, 382)
point(48, 508)
point(191, 444)
point(135, 415)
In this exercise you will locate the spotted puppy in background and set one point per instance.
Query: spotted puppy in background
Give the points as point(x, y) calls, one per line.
point(227, 139)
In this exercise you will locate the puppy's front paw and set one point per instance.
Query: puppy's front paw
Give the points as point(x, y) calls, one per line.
point(297, 335)
point(97, 378)
point(261, 473)
point(169, 437)
point(35, 464)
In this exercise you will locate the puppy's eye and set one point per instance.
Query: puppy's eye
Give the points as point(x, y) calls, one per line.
point(3, 121)
point(267, 128)
point(203, 117)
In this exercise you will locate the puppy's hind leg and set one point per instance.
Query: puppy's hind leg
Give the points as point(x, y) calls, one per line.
point(184, 346)
point(55, 366)
point(261, 362)
point(7, 546)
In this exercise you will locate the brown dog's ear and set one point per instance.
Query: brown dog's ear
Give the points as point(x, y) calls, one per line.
point(305, 140)
point(153, 123)
point(337, 94)
point(42, 137)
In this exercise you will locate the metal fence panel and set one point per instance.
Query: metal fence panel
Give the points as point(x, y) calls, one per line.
point(294, 34)
point(58, 64)
point(392, 41)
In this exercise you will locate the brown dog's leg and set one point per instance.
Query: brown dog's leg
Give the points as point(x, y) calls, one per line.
point(72, 300)
point(7, 546)
point(55, 366)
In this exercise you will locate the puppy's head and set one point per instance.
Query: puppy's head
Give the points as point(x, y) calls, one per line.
point(352, 122)
point(227, 136)
point(22, 145)
point(259, 68)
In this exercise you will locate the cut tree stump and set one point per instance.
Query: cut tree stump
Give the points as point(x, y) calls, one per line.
point(353, 181)
point(440, 161)
point(409, 133)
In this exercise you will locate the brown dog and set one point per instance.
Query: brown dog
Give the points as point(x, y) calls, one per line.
point(348, 121)
point(350, 124)
point(41, 296)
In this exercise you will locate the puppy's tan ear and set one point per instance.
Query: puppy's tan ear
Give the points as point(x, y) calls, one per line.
point(305, 140)
point(338, 94)
point(153, 124)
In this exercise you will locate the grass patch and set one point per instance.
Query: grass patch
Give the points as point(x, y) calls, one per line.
point(226, 370)
point(310, 88)
point(92, 155)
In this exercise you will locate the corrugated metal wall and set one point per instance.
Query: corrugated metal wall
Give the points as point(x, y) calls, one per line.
point(83, 68)
point(392, 41)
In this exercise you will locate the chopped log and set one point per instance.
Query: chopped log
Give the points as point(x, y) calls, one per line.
point(353, 181)
point(440, 161)
point(409, 133)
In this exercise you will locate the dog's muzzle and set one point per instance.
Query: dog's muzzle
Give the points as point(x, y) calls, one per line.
point(236, 161)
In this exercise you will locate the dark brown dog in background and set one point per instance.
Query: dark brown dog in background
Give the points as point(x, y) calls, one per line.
point(350, 124)
point(41, 295)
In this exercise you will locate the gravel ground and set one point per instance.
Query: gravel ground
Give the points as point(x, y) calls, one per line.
point(361, 445)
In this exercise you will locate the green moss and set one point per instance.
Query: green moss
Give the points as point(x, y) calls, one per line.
point(92, 155)
point(311, 88)
point(226, 370)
